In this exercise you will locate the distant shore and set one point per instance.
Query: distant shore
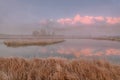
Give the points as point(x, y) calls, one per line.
point(110, 38)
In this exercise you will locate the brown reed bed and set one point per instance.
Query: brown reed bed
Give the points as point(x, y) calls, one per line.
point(26, 42)
point(57, 69)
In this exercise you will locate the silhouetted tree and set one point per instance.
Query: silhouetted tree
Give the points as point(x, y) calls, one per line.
point(35, 33)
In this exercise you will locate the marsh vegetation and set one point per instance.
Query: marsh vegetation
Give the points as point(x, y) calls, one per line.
point(57, 69)
point(30, 42)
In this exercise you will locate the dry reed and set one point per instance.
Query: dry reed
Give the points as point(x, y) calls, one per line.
point(57, 69)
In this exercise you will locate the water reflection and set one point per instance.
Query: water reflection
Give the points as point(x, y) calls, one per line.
point(113, 52)
point(76, 52)
point(89, 52)
point(67, 49)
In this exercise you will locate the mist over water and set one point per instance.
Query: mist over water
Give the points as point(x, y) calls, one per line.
point(93, 30)
point(71, 48)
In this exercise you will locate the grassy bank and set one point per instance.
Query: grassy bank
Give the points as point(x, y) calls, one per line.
point(108, 38)
point(57, 69)
point(26, 42)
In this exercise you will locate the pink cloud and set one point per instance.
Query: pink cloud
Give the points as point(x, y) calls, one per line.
point(112, 20)
point(89, 20)
point(65, 21)
point(77, 18)
point(83, 20)
point(99, 18)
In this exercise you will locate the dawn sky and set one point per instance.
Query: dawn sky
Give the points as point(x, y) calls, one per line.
point(19, 12)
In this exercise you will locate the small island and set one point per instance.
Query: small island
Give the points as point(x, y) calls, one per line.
point(38, 38)
point(31, 42)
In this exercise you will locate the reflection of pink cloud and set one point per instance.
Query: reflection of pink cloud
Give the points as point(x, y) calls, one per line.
point(88, 52)
point(99, 54)
point(112, 52)
point(63, 52)
point(76, 52)
point(43, 50)
point(89, 20)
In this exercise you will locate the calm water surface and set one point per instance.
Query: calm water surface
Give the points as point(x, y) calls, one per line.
point(72, 48)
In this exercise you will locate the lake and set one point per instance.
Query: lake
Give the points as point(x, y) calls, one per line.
point(71, 48)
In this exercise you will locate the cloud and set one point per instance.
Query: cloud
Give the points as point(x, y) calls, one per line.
point(83, 20)
point(111, 20)
point(78, 19)
point(65, 21)
point(99, 18)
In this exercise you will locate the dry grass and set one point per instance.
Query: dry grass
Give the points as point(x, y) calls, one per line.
point(26, 42)
point(57, 69)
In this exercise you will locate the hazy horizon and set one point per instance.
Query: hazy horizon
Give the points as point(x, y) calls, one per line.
point(87, 17)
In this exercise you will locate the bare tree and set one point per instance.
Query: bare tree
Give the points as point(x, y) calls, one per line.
point(35, 33)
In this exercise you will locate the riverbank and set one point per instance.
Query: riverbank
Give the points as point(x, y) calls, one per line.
point(109, 39)
point(57, 69)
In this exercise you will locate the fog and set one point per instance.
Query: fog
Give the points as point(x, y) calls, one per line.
point(25, 28)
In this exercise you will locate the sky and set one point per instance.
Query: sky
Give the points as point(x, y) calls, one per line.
point(23, 16)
